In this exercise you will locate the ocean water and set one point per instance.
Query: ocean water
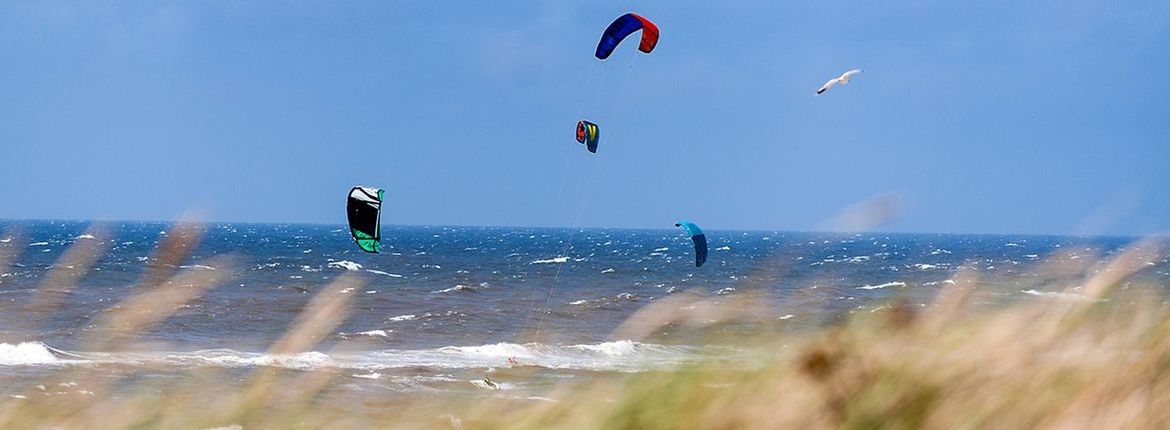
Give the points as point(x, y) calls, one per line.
point(442, 307)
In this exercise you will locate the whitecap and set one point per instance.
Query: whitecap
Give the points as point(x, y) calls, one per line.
point(615, 348)
point(25, 353)
point(723, 248)
point(345, 264)
point(1056, 295)
point(379, 272)
point(85, 236)
point(880, 286)
point(402, 318)
point(460, 287)
point(39, 244)
point(372, 375)
point(609, 270)
point(197, 266)
point(551, 260)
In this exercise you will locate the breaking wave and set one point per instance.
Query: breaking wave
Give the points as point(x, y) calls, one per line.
point(621, 356)
point(551, 260)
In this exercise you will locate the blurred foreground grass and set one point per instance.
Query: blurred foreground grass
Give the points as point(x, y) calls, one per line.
point(1095, 355)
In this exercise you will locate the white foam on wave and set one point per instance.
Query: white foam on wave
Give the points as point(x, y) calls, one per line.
point(26, 353)
point(501, 350)
point(379, 272)
point(578, 302)
point(924, 266)
point(880, 286)
point(491, 385)
point(456, 288)
point(661, 249)
point(227, 358)
point(39, 244)
point(723, 248)
point(85, 236)
point(368, 333)
point(551, 260)
point(616, 348)
point(371, 375)
point(345, 264)
point(1056, 295)
point(197, 266)
point(620, 355)
point(403, 318)
point(609, 270)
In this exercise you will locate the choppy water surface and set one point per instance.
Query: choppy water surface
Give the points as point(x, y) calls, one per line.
point(444, 306)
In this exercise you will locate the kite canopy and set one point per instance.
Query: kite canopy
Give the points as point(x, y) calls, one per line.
point(623, 26)
point(588, 133)
point(699, 239)
point(364, 208)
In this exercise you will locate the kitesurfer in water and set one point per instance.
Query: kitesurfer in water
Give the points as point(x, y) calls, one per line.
point(490, 383)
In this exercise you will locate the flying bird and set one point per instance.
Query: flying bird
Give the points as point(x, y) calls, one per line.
point(843, 79)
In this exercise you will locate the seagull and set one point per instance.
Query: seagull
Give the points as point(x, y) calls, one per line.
point(843, 79)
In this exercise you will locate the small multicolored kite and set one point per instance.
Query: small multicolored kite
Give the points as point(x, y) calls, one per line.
point(588, 133)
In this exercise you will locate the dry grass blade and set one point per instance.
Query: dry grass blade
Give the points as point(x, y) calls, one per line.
point(321, 316)
point(125, 321)
point(951, 300)
point(74, 264)
point(1137, 257)
point(177, 244)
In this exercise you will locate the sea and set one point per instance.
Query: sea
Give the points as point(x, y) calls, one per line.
point(449, 309)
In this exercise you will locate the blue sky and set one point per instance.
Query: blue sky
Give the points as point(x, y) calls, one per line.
point(988, 117)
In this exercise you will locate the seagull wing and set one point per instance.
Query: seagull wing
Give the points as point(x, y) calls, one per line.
point(827, 85)
point(845, 76)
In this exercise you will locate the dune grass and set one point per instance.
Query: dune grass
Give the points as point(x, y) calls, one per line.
point(1094, 355)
